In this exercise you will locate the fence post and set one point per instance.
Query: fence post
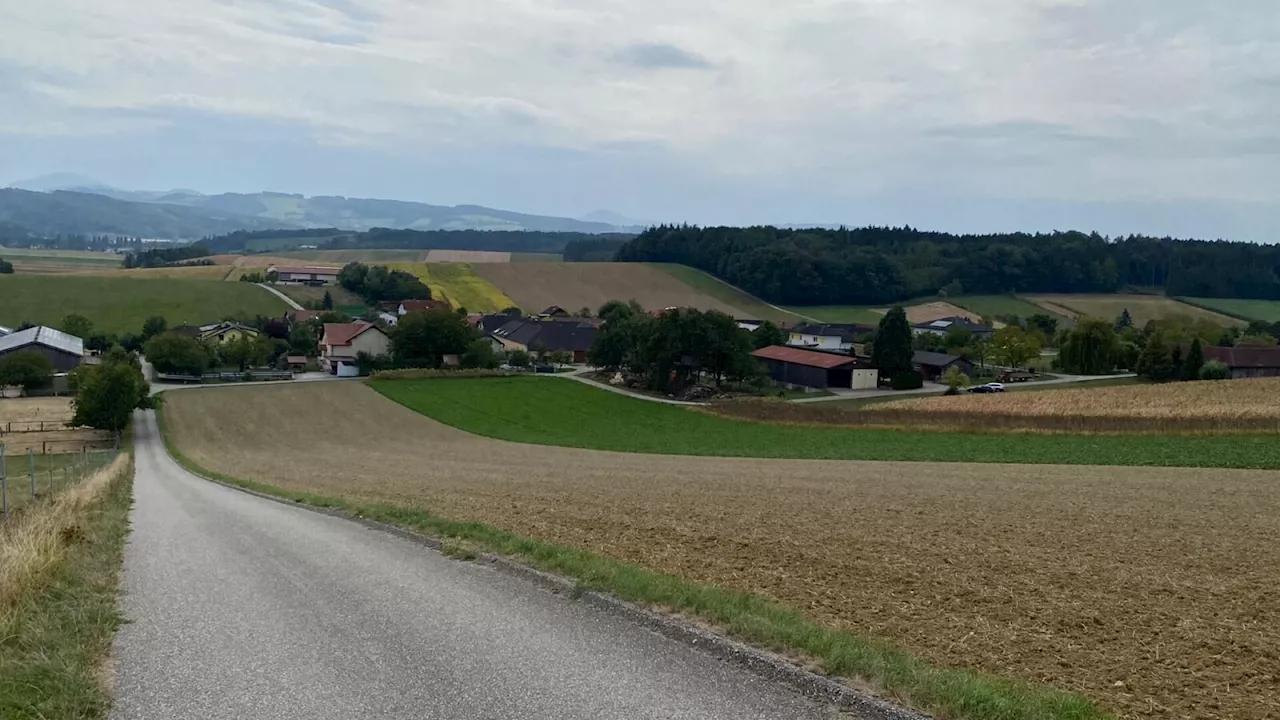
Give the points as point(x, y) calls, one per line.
point(4, 484)
point(31, 472)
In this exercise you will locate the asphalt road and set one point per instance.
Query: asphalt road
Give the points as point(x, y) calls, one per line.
point(240, 607)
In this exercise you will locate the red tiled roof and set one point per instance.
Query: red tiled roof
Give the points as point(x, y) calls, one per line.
point(1244, 356)
point(305, 315)
point(296, 270)
point(808, 358)
point(344, 333)
point(296, 359)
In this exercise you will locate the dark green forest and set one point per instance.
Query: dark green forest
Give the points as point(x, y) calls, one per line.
point(873, 265)
point(387, 239)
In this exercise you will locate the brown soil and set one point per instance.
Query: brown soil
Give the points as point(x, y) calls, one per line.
point(535, 286)
point(1153, 590)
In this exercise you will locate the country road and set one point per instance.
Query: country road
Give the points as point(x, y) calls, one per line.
point(241, 607)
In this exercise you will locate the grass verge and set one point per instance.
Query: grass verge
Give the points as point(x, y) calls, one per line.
point(550, 411)
point(892, 673)
point(59, 579)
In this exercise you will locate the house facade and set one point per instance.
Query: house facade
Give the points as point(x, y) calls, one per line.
point(833, 337)
point(65, 352)
point(343, 342)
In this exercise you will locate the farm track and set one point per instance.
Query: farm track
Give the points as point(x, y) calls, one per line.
point(1149, 589)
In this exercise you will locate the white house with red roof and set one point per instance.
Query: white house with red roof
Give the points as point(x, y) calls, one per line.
point(342, 342)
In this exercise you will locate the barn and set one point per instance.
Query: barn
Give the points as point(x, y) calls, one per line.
point(66, 352)
point(818, 370)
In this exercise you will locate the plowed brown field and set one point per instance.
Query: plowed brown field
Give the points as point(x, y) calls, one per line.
point(535, 286)
point(1153, 590)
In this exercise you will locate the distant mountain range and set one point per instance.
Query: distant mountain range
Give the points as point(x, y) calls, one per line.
point(64, 204)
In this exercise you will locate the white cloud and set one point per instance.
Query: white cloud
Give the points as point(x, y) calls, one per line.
point(1057, 99)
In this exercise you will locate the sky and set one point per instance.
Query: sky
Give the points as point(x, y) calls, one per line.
point(1121, 116)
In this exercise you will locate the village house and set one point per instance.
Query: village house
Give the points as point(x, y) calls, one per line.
point(797, 367)
point(935, 365)
point(1246, 361)
point(833, 336)
point(942, 326)
point(343, 342)
point(65, 352)
point(220, 332)
point(552, 335)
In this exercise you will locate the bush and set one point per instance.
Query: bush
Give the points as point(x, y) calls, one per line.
point(910, 380)
point(28, 368)
point(1214, 370)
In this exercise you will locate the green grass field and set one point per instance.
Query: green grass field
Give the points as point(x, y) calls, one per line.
point(121, 305)
point(1265, 310)
point(752, 308)
point(548, 411)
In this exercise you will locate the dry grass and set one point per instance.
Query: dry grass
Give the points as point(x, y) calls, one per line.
point(467, 256)
point(28, 409)
point(1142, 308)
point(1247, 406)
point(36, 540)
point(535, 286)
point(1153, 590)
point(928, 312)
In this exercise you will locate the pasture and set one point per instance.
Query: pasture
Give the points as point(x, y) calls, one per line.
point(121, 304)
point(1264, 310)
point(1147, 590)
point(534, 286)
point(39, 261)
point(460, 285)
point(551, 411)
point(1142, 308)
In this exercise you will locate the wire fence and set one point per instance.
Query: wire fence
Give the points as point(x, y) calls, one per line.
point(29, 477)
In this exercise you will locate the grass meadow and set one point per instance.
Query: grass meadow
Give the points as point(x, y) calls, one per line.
point(1264, 310)
point(121, 305)
point(550, 411)
point(749, 307)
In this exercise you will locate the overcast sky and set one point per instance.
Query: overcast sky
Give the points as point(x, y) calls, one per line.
point(1159, 116)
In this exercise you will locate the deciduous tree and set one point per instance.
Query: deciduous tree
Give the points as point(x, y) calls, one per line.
point(107, 394)
point(1013, 347)
point(27, 368)
point(78, 325)
point(176, 354)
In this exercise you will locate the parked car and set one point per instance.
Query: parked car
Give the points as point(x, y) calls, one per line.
point(988, 388)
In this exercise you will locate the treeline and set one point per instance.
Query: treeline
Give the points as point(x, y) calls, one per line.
point(594, 249)
point(16, 236)
point(377, 283)
point(876, 265)
point(388, 239)
point(164, 257)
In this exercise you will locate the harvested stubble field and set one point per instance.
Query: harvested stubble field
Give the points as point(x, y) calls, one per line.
point(535, 286)
point(1227, 406)
point(38, 425)
point(1153, 591)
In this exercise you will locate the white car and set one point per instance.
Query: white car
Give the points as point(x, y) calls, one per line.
point(996, 387)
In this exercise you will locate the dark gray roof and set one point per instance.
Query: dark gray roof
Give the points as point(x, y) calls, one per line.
point(934, 359)
point(848, 332)
point(45, 336)
point(944, 325)
point(554, 335)
point(491, 323)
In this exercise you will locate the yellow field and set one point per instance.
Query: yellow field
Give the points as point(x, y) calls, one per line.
point(1221, 406)
point(1142, 308)
point(458, 284)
